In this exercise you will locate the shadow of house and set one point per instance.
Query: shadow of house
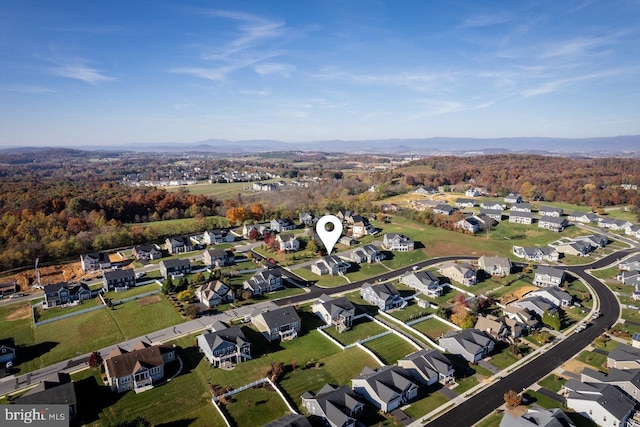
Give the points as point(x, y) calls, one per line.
point(185, 422)
point(190, 356)
point(31, 352)
point(93, 398)
point(260, 346)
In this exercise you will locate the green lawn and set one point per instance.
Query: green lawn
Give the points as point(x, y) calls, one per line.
point(465, 384)
point(542, 400)
point(594, 359)
point(492, 420)
point(552, 382)
point(53, 312)
point(422, 407)
point(138, 290)
point(503, 359)
point(263, 404)
point(322, 281)
point(411, 312)
point(390, 348)
point(433, 328)
point(362, 328)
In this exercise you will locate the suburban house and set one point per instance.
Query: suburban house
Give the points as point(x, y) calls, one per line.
point(255, 231)
point(331, 265)
point(513, 198)
point(224, 346)
point(464, 273)
point(139, 368)
point(389, 207)
point(550, 211)
point(383, 295)
point(367, 253)
point(472, 344)
point(282, 224)
point(56, 389)
point(536, 417)
point(215, 237)
point(8, 288)
point(465, 203)
point(422, 205)
point(518, 217)
point(263, 281)
point(584, 217)
point(595, 240)
point(624, 357)
point(387, 387)
point(347, 241)
point(335, 406)
point(553, 223)
point(428, 367)
point(279, 324)
point(7, 351)
point(444, 209)
point(147, 252)
point(307, 219)
point(495, 206)
point(521, 207)
point(604, 404)
point(495, 265)
point(287, 242)
point(397, 242)
point(629, 277)
point(494, 214)
point(554, 294)
point(423, 281)
point(493, 326)
point(576, 248)
point(65, 293)
point(626, 379)
point(548, 276)
point(549, 253)
point(528, 253)
point(473, 192)
point(425, 191)
point(631, 263)
point(614, 224)
point(95, 261)
point(633, 231)
point(527, 319)
point(218, 257)
point(214, 293)
point(362, 228)
point(344, 215)
point(335, 311)
point(178, 244)
point(470, 223)
point(175, 268)
point(118, 280)
point(537, 305)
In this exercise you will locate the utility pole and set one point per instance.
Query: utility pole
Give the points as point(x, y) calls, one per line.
point(37, 274)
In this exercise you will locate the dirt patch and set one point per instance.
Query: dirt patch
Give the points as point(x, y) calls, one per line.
point(448, 247)
point(574, 366)
point(23, 312)
point(152, 299)
point(48, 275)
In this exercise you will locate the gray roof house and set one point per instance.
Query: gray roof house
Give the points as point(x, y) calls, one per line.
point(631, 263)
point(584, 217)
point(367, 253)
point(290, 420)
point(536, 417)
point(383, 295)
point(495, 214)
point(444, 209)
point(464, 273)
point(553, 223)
point(595, 240)
point(519, 217)
point(215, 237)
point(147, 252)
point(428, 367)
point(57, 389)
point(470, 223)
point(549, 253)
point(65, 293)
point(550, 211)
point(7, 351)
point(264, 281)
point(576, 248)
point(95, 261)
point(495, 265)
point(175, 268)
point(282, 224)
point(554, 294)
point(548, 276)
point(224, 346)
point(218, 257)
point(536, 304)
point(335, 311)
point(118, 279)
point(288, 242)
point(528, 253)
point(492, 206)
point(614, 224)
point(387, 387)
point(423, 281)
point(521, 207)
point(279, 324)
point(627, 379)
point(331, 265)
point(397, 242)
point(624, 357)
point(513, 198)
point(472, 344)
point(336, 406)
point(214, 293)
point(178, 244)
point(604, 404)
point(465, 203)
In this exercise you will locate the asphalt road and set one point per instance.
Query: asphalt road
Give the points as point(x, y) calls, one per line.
point(483, 403)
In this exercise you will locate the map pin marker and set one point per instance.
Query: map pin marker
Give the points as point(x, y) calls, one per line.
point(329, 238)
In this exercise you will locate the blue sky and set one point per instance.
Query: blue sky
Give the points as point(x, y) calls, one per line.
point(79, 73)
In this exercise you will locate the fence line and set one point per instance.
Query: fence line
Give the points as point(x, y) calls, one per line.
point(370, 353)
point(418, 333)
point(65, 316)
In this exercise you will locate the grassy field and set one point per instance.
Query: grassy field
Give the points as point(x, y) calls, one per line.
point(552, 382)
point(262, 404)
point(362, 328)
point(433, 328)
point(53, 312)
point(596, 360)
point(390, 348)
point(138, 290)
point(425, 405)
point(221, 190)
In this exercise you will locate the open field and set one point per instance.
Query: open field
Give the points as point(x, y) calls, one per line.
point(433, 328)
point(53, 312)
point(262, 403)
point(362, 328)
point(390, 348)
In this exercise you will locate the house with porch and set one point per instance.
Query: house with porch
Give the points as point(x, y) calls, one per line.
point(331, 265)
point(138, 369)
point(548, 276)
point(472, 344)
point(95, 261)
point(423, 281)
point(118, 280)
point(397, 242)
point(279, 324)
point(463, 273)
point(174, 268)
point(338, 312)
point(147, 252)
point(178, 244)
point(214, 293)
point(495, 265)
point(387, 387)
point(218, 257)
point(367, 253)
point(263, 281)
point(65, 293)
point(335, 406)
point(287, 242)
point(224, 346)
point(383, 295)
point(428, 367)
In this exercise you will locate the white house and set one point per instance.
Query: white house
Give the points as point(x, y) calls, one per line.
point(397, 242)
point(387, 387)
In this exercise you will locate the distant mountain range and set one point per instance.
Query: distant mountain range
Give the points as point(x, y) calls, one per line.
point(627, 146)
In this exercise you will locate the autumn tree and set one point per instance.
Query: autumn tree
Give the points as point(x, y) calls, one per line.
point(460, 314)
point(236, 215)
point(512, 399)
point(312, 246)
point(95, 359)
point(257, 211)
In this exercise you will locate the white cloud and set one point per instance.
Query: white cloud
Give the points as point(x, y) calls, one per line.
point(215, 74)
point(485, 20)
point(268, 68)
point(81, 72)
